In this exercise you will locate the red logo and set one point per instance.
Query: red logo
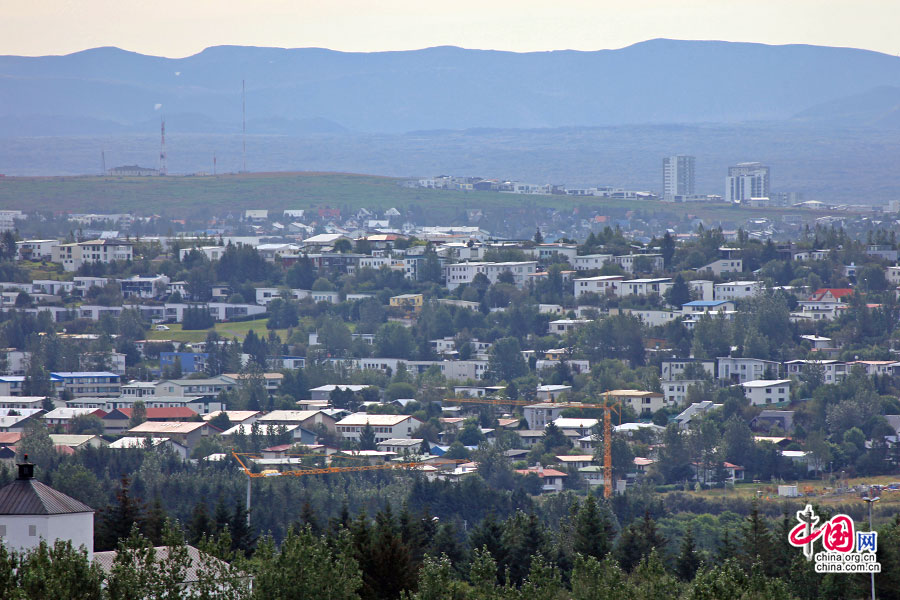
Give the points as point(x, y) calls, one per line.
point(837, 533)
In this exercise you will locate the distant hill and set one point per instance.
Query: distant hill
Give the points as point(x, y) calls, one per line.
point(878, 107)
point(311, 90)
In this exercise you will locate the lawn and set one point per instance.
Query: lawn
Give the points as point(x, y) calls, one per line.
point(227, 330)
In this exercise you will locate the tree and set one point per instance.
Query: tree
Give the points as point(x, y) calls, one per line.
point(637, 541)
point(138, 413)
point(594, 531)
point(674, 457)
point(36, 444)
point(679, 293)
point(37, 379)
point(554, 438)
point(51, 571)
point(117, 521)
point(667, 249)
point(301, 275)
point(306, 566)
point(688, 561)
point(88, 424)
point(505, 361)
point(538, 238)
point(367, 438)
point(757, 541)
point(393, 340)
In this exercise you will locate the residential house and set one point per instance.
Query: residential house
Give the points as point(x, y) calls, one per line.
point(308, 419)
point(551, 479)
point(740, 370)
point(602, 285)
point(62, 417)
point(386, 426)
point(767, 391)
point(641, 402)
point(89, 383)
point(736, 290)
point(674, 368)
point(186, 433)
point(155, 443)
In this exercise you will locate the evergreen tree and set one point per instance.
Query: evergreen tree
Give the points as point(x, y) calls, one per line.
point(242, 539)
point(367, 438)
point(637, 541)
point(118, 520)
point(593, 531)
point(201, 525)
point(138, 413)
point(688, 561)
point(757, 541)
point(679, 293)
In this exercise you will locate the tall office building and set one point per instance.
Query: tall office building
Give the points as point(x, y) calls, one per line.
point(678, 176)
point(745, 181)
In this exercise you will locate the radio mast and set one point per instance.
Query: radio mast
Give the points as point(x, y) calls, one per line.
point(162, 148)
point(243, 127)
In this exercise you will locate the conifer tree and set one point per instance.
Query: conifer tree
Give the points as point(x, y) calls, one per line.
point(688, 561)
point(593, 532)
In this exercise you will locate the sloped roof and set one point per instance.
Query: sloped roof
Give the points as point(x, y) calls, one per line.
point(31, 497)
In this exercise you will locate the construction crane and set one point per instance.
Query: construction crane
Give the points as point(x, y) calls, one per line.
point(313, 470)
point(607, 408)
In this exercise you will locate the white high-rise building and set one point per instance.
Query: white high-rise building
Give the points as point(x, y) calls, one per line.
point(678, 176)
point(745, 181)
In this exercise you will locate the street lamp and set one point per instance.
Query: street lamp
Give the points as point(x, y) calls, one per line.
point(870, 500)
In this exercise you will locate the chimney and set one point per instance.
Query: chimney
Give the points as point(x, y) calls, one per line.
point(26, 470)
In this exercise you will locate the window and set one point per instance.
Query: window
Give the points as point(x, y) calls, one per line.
point(32, 530)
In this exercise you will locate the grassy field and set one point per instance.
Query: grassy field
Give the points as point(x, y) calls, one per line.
point(228, 330)
point(769, 492)
point(203, 196)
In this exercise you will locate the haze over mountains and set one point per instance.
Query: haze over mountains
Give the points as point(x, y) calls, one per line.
point(310, 90)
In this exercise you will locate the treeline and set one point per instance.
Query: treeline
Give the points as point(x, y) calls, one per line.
point(417, 556)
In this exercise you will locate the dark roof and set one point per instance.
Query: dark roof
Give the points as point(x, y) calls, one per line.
point(31, 497)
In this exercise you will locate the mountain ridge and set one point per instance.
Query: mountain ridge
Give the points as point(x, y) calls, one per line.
point(446, 87)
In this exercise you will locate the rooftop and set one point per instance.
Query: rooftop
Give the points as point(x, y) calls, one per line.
point(27, 496)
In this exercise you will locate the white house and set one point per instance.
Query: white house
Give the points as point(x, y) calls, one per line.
point(740, 370)
point(723, 265)
point(31, 511)
point(72, 256)
point(699, 307)
point(590, 262)
point(643, 287)
point(676, 391)
point(736, 290)
point(602, 285)
point(654, 262)
point(767, 391)
point(386, 426)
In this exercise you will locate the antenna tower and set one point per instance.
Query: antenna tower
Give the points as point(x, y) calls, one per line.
point(162, 149)
point(103, 160)
point(214, 163)
point(243, 127)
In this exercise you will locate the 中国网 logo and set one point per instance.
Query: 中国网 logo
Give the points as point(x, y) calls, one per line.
point(843, 550)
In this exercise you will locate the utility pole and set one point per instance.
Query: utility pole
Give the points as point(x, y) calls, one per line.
point(870, 500)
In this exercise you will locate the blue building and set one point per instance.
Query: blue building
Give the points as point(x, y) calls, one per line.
point(191, 362)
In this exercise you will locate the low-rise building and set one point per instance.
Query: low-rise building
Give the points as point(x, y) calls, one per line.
point(386, 426)
point(767, 391)
point(736, 290)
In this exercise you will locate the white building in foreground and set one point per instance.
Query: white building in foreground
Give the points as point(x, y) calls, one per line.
point(31, 511)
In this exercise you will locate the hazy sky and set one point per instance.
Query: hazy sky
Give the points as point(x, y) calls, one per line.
point(183, 27)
